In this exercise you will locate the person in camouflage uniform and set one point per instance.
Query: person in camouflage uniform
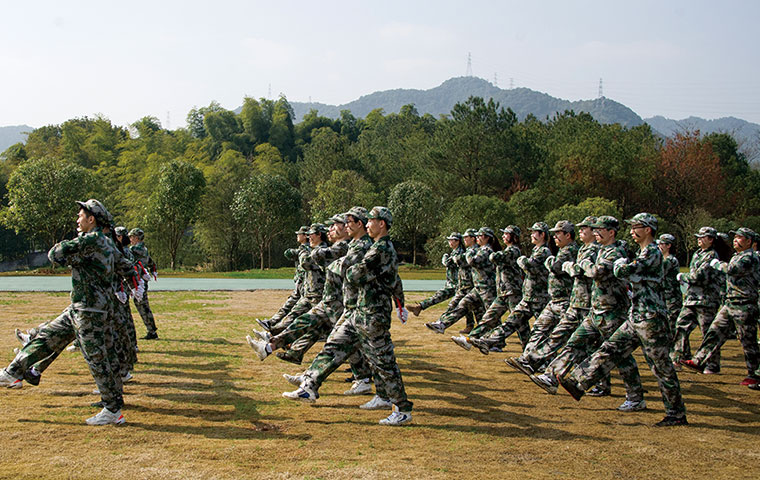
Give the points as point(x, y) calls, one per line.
point(743, 281)
point(535, 359)
point(310, 326)
point(646, 326)
point(535, 294)
point(90, 256)
point(702, 299)
point(609, 309)
point(671, 286)
point(294, 255)
point(148, 266)
point(560, 287)
point(314, 279)
point(509, 279)
point(453, 287)
point(470, 302)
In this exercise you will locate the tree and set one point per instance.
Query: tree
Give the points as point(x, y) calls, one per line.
point(266, 207)
point(595, 206)
point(174, 204)
point(326, 152)
point(415, 210)
point(42, 195)
point(343, 190)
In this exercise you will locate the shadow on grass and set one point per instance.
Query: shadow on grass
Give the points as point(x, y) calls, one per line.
point(215, 341)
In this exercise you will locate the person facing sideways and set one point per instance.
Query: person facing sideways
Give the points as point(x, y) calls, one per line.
point(148, 266)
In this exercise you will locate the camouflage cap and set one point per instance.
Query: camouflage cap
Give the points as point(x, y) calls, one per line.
point(122, 231)
point(381, 213)
point(513, 229)
point(337, 218)
point(137, 232)
point(666, 238)
point(563, 226)
point(707, 232)
point(644, 219)
point(607, 222)
point(539, 227)
point(317, 228)
point(359, 213)
point(486, 231)
point(470, 232)
point(97, 210)
point(303, 230)
point(587, 222)
point(455, 236)
point(746, 233)
point(724, 236)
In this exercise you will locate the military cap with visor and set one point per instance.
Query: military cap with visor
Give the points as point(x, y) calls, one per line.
point(563, 226)
point(359, 213)
point(317, 228)
point(607, 222)
point(455, 236)
point(121, 231)
point(644, 219)
point(539, 227)
point(667, 239)
point(587, 222)
point(513, 229)
point(707, 232)
point(137, 232)
point(486, 231)
point(470, 232)
point(303, 230)
point(337, 218)
point(97, 210)
point(381, 213)
point(746, 233)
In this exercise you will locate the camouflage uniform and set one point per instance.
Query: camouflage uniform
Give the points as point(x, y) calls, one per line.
point(743, 281)
point(140, 253)
point(452, 274)
point(125, 341)
point(294, 255)
point(646, 326)
point(609, 309)
point(560, 289)
point(672, 292)
point(700, 305)
point(90, 256)
point(466, 299)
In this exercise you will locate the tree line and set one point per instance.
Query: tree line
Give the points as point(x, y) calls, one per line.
point(227, 191)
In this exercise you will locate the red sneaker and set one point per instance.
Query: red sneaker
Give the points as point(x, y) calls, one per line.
point(750, 381)
point(691, 364)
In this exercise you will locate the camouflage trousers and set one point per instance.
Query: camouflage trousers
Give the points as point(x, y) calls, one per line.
point(650, 331)
point(673, 308)
point(287, 306)
point(439, 296)
point(587, 338)
point(688, 319)
point(544, 352)
point(303, 305)
point(143, 308)
point(517, 321)
point(339, 348)
point(492, 318)
point(126, 337)
point(745, 318)
point(94, 334)
point(470, 302)
point(544, 325)
point(307, 329)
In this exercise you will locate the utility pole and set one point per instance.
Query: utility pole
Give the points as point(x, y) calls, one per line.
point(601, 90)
point(495, 79)
point(469, 65)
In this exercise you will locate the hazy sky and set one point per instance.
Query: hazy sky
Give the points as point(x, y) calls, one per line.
point(126, 60)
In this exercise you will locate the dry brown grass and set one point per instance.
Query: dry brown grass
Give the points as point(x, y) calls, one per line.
point(202, 407)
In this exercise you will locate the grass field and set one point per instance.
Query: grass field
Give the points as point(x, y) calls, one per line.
point(202, 407)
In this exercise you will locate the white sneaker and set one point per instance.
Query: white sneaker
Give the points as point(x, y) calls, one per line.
point(302, 394)
point(436, 326)
point(629, 406)
point(293, 379)
point(376, 403)
point(96, 392)
point(72, 348)
point(258, 346)
point(9, 381)
point(262, 335)
point(359, 387)
point(397, 418)
point(546, 382)
point(106, 417)
point(127, 377)
point(462, 342)
point(22, 337)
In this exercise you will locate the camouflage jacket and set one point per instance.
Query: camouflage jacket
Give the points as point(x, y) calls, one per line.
point(560, 283)
point(91, 257)
point(535, 285)
point(294, 254)
point(607, 291)
point(333, 289)
point(452, 269)
point(645, 273)
point(140, 252)
point(671, 288)
point(314, 280)
point(703, 285)
point(483, 273)
point(357, 248)
point(464, 276)
point(376, 275)
point(581, 294)
point(509, 277)
point(124, 268)
point(743, 278)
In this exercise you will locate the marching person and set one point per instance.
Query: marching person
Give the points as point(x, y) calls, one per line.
point(671, 286)
point(148, 266)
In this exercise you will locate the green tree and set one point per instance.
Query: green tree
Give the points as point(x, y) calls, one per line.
point(266, 207)
point(595, 206)
point(174, 205)
point(328, 151)
point(415, 211)
point(343, 190)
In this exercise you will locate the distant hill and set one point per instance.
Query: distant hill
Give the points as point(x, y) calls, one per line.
point(441, 99)
point(740, 129)
point(12, 135)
